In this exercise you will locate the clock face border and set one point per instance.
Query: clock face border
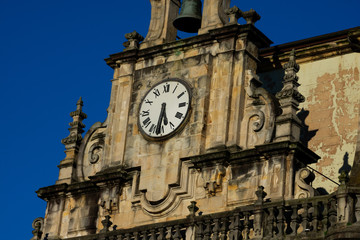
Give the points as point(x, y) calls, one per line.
point(183, 122)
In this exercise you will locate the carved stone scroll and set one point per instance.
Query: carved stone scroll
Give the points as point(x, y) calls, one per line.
point(303, 179)
point(257, 126)
point(161, 29)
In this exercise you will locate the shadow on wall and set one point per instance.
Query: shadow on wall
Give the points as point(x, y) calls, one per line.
point(272, 81)
point(346, 166)
point(305, 134)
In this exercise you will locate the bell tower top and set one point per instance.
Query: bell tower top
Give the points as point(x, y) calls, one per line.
point(165, 19)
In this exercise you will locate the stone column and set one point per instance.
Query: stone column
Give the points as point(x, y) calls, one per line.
point(118, 111)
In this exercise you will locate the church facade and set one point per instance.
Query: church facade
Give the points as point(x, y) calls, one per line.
point(217, 136)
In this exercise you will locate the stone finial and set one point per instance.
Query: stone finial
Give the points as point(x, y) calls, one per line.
point(344, 177)
point(234, 14)
point(291, 81)
point(76, 127)
point(192, 208)
point(106, 224)
point(288, 124)
point(37, 225)
point(251, 16)
point(72, 145)
point(134, 39)
point(260, 194)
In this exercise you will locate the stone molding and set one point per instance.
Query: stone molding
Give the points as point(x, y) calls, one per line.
point(308, 50)
point(230, 31)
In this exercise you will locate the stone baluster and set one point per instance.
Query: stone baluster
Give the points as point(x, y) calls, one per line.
point(136, 236)
point(115, 237)
point(199, 231)
point(305, 218)
point(223, 228)
point(357, 208)
point(316, 216)
point(246, 225)
point(168, 233)
point(152, 234)
point(280, 224)
point(177, 234)
point(216, 229)
point(144, 235)
point(120, 237)
point(127, 236)
point(325, 220)
point(270, 223)
point(344, 201)
point(332, 212)
point(161, 234)
point(294, 224)
point(235, 231)
point(207, 231)
point(258, 212)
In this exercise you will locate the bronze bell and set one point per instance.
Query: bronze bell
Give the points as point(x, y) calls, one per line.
point(189, 19)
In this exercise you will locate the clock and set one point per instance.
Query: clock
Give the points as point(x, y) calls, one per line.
point(164, 109)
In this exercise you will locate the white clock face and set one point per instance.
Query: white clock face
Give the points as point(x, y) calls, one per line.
point(164, 108)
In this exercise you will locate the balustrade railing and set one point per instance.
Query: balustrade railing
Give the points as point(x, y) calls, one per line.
point(311, 218)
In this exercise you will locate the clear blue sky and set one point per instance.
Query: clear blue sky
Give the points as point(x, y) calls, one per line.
point(51, 53)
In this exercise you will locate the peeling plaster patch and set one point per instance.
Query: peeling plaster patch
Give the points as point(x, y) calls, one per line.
point(331, 87)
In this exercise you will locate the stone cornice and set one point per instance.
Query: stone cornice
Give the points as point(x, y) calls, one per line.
point(301, 152)
point(113, 174)
point(204, 39)
point(310, 49)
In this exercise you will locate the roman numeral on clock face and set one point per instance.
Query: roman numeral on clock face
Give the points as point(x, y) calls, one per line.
point(156, 92)
point(145, 113)
point(178, 115)
point(166, 88)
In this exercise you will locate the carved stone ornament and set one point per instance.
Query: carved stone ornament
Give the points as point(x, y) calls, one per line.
point(234, 14)
point(251, 16)
point(37, 225)
point(260, 194)
point(96, 150)
point(259, 120)
point(213, 179)
point(303, 179)
point(76, 127)
point(133, 42)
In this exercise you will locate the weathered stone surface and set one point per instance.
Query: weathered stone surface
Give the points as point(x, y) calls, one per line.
point(238, 153)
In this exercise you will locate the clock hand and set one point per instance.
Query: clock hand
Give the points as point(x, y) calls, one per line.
point(158, 126)
point(165, 117)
